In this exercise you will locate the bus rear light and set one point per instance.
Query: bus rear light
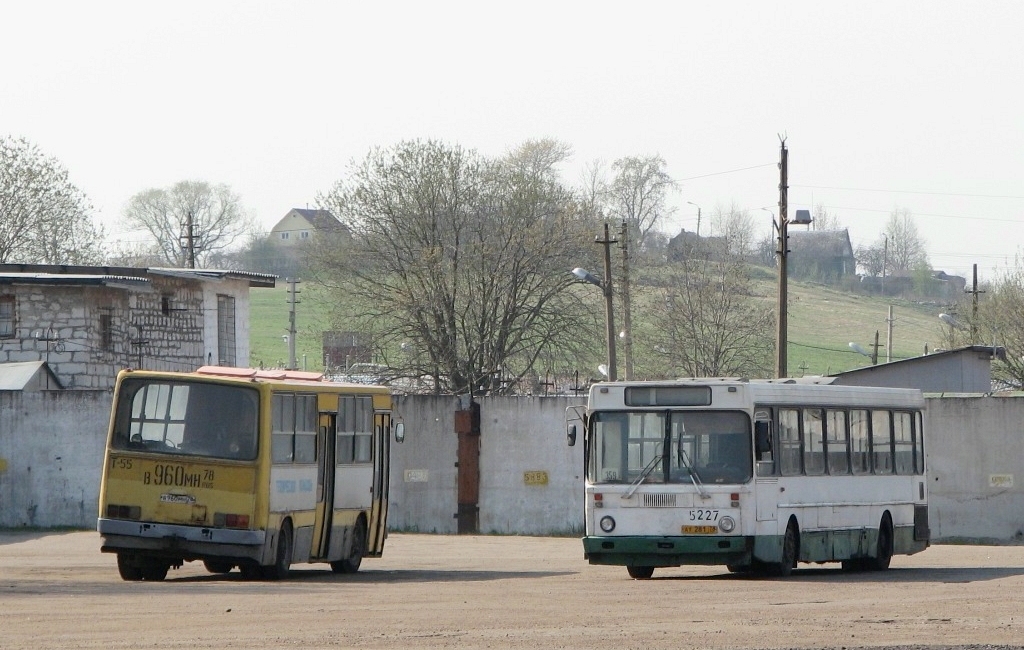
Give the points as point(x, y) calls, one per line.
point(222, 520)
point(598, 500)
point(123, 512)
point(734, 499)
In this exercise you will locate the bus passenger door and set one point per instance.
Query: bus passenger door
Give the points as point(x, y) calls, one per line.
point(381, 470)
point(325, 443)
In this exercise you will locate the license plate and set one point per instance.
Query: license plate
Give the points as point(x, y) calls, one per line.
point(699, 530)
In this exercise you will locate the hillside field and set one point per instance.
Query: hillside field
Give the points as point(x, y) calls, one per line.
point(822, 323)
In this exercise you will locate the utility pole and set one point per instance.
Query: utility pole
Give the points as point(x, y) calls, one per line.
point(627, 340)
point(608, 302)
point(888, 337)
point(781, 346)
point(292, 293)
point(874, 351)
point(885, 260)
point(190, 246)
point(974, 306)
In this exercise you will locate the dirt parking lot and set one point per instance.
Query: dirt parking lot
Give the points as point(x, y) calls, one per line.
point(58, 591)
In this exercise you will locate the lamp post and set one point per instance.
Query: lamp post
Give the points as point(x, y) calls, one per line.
point(781, 227)
point(606, 288)
point(698, 216)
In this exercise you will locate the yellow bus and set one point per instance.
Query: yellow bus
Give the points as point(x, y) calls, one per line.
point(236, 467)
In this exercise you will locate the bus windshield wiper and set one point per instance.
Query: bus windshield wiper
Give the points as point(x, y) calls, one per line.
point(692, 471)
point(684, 460)
point(643, 474)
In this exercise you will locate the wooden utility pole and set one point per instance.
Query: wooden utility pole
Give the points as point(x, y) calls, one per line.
point(974, 306)
point(608, 301)
point(627, 322)
point(190, 250)
point(292, 293)
point(781, 343)
point(888, 336)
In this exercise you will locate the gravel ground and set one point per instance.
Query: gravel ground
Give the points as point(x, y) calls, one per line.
point(434, 591)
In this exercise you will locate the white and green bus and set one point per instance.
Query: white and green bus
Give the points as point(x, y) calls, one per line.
point(753, 475)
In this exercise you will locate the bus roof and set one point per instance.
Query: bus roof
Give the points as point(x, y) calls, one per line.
point(309, 380)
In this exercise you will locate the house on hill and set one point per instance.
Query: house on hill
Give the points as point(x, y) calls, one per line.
point(85, 323)
point(303, 224)
point(824, 255)
point(690, 245)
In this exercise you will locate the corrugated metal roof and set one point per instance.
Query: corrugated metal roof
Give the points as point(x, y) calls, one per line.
point(112, 281)
point(255, 279)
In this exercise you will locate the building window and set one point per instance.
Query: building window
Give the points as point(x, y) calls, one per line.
point(284, 235)
point(304, 234)
point(106, 332)
point(226, 330)
point(7, 322)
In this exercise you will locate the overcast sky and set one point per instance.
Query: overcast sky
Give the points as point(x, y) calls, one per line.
point(885, 105)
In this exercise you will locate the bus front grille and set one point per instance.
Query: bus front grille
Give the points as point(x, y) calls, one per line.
point(659, 500)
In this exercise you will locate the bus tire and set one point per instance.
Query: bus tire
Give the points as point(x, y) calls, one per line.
point(283, 557)
point(640, 572)
point(884, 547)
point(154, 570)
point(790, 551)
point(127, 568)
point(356, 553)
point(218, 566)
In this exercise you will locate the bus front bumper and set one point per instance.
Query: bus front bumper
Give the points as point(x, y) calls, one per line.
point(665, 551)
point(185, 542)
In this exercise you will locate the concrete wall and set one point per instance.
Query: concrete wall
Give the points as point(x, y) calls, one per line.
point(51, 453)
point(975, 452)
point(531, 482)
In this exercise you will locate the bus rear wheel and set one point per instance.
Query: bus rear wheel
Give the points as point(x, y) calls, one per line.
point(283, 558)
point(640, 572)
point(218, 566)
point(127, 568)
point(883, 550)
point(356, 553)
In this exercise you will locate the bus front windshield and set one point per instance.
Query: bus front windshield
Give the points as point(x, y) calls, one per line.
point(710, 447)
point(185, 417)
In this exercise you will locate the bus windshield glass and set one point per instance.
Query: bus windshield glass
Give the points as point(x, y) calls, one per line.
point(709, 447)
point(186, 417)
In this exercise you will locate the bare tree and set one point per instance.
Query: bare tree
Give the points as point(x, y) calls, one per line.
point(213, 213)
point(737, 227)
point(713, 324)
point(823, 219)
point(44, 218)
point(459, 265)
point(638, 195)
point(907, 249)
point(996, 321)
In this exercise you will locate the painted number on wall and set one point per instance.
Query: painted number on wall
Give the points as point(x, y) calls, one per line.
point(536, 477)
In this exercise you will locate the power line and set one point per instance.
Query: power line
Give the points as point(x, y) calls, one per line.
point(868, 189)
point(728, 171)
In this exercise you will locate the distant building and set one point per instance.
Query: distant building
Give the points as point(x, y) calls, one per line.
point(824, 255)
point(88, 322)
point(690, 245)
point(302, 225)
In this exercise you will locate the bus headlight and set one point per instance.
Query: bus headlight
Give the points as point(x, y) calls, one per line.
point(607, 524)
point(727, 524)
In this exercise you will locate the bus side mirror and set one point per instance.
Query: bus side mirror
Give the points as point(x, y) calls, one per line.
point(570, 435)
point(400, 432)
point(762, 437)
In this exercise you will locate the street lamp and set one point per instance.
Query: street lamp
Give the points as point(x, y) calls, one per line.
point(698, 216)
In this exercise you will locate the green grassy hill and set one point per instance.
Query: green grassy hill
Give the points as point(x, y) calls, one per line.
point(822, 323)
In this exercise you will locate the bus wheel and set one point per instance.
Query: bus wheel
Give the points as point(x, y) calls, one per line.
point(355, 556)
point(790, 551)
point(154, 570)
point(283, 559)
point(127, 568)
point(883, 553)
point(640, 572)
point(218, 566)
